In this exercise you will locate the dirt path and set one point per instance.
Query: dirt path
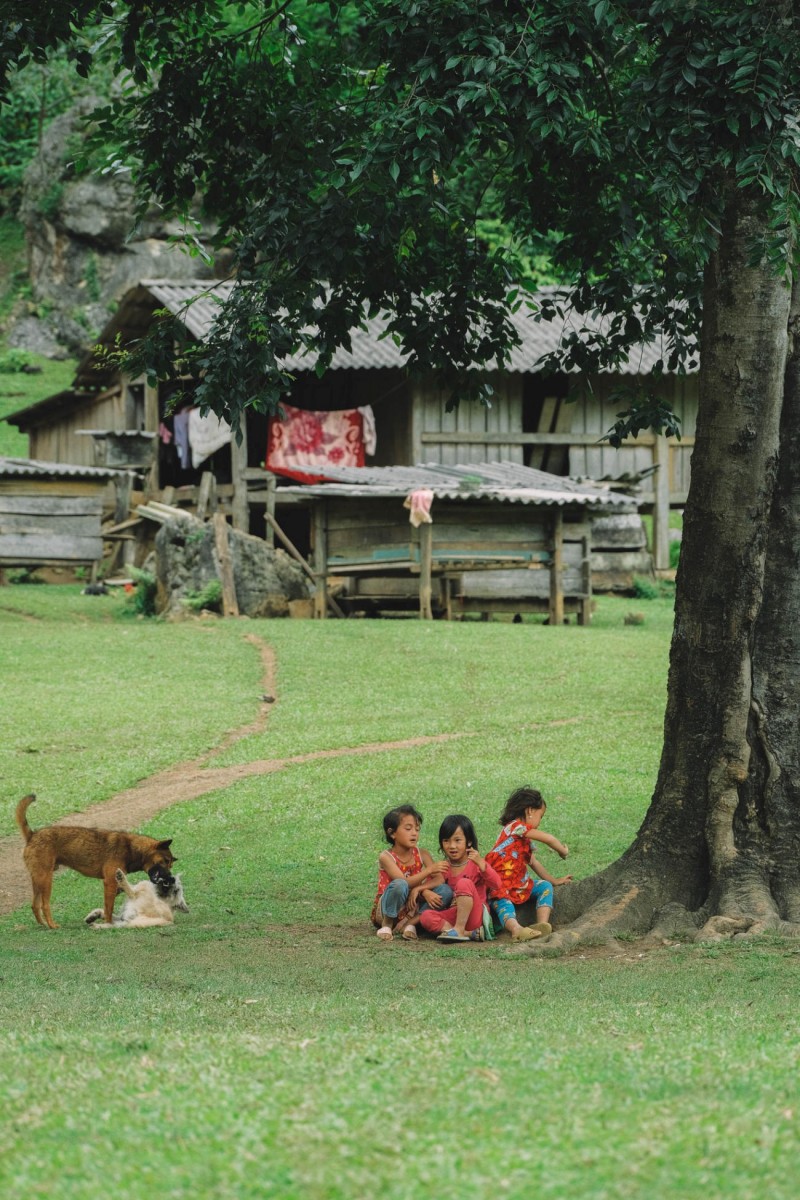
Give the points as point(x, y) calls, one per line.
point(188, 780)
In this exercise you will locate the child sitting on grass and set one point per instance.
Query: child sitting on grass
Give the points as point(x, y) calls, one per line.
point(511, 856)
point(469, 876)
point(402, 871)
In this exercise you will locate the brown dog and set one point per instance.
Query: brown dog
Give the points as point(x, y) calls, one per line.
point(99, 853)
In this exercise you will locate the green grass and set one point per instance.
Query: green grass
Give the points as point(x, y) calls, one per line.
point(20, 390)
point(268, 1045)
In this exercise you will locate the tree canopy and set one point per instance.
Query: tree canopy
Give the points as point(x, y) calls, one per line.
point(353, 155)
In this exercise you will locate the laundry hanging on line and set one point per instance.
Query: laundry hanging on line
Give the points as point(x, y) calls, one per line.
point(312, 438)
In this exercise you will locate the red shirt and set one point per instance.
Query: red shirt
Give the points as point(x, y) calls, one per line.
point(510, 856)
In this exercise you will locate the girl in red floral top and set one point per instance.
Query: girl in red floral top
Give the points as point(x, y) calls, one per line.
point(404, 873)
point(511, 856)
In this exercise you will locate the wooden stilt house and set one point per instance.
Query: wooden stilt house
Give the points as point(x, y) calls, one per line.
point(551, 423)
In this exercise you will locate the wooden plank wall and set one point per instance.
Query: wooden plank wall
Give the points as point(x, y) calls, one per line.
point(504, 416)
point(58, 441)
point(356, 530)
point(59, 526)
point(594, 412)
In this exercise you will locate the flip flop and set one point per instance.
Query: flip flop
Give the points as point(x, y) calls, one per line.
point(526, 934)
point(409, 934)
point(385, 933)
point(452, 935)
point(477, 935)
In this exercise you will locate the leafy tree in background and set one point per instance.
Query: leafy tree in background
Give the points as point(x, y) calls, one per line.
point(352, 157)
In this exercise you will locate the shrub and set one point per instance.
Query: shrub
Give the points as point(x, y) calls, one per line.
point(645, 589)
point(209, 597)
point(24, 575)
point(12, 362)
point(142, 600)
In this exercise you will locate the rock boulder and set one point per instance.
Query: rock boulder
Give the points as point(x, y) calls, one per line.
point(267, 581)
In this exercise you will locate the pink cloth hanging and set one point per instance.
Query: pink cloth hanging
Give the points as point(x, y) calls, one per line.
point(419, 502)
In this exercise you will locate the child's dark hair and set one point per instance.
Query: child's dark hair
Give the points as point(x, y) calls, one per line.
point(395, 816)
point(518, 802)
point(458, 821)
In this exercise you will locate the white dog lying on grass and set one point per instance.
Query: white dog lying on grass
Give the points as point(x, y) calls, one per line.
point(154, 901)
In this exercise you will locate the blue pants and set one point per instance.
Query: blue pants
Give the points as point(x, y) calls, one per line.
point(445, 891)
point(503, 910)
point(395, 898)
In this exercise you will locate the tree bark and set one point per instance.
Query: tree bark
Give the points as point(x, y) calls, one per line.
point(720, 838)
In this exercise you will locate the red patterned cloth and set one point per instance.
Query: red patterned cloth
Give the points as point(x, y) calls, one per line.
point(306, 438)
point(510, 856)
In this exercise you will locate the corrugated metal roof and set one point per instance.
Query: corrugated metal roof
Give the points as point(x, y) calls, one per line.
point(198, 303)
point(46, 470)
point(503, 481)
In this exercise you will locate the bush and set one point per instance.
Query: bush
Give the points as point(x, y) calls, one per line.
point(142, 599)
point(24, 575)
point(13, 362)
point(645, 589)
point(209, 597)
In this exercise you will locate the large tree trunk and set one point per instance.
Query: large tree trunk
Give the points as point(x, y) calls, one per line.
point(764, 884)
point(718, 839)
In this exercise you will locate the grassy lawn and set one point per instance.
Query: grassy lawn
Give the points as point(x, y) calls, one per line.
point(268, 1045)
point(19, 390)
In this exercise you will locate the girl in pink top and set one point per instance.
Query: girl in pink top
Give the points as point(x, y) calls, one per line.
point(470, 876)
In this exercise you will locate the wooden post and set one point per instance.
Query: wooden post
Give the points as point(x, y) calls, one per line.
point(425, 563)
point(240, 508)
point(585, 612)
point(206, 495)
point(415, 424)
point(556, 588)
point(152, 420)
point(275, 528)
point(123, 485)
point(230, 605)
point(319, 542)
point(270, 513)
point(447, 597)
point(661, 504)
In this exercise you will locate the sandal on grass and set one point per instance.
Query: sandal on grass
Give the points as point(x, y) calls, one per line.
point(385, 933)
point(525, 934)
point(477, 935)
point(409, 934)
point(452, 935)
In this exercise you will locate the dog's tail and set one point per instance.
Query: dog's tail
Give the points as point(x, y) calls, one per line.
point(22, 820)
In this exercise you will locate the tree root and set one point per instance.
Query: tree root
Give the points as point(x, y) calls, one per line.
point(609, 924)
